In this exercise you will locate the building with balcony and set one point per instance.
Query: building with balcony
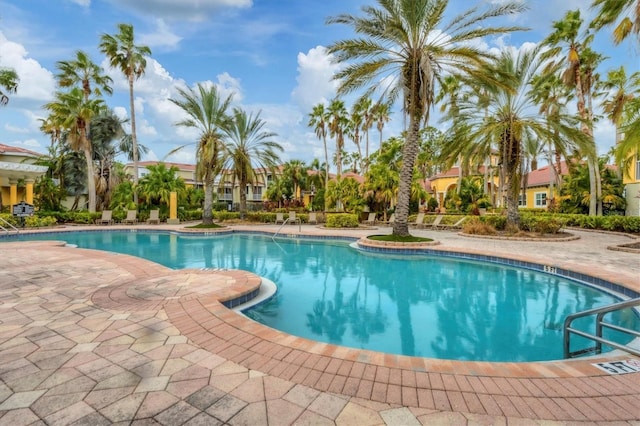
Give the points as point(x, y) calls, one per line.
point(18, 173)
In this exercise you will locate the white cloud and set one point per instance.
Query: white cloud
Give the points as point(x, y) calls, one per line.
point(83, 3)
point(163, 37)
point(14, 129)
point(315, 78)
point(36, 83)
point(187, 10)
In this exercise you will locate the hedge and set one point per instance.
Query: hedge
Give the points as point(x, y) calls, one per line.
point(342, 220)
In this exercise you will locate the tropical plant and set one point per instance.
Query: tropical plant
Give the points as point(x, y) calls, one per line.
point(566, 35)
point(318, 121)
point(406, 39)
point(130, 59)
point(338, 122)
point(8, 84)
point(625, 14)
point(207, 113)
point(574, 196)
point(345, 195)
point(380, 116)
point(628, 149)
point(83, 72)
point(105, 129)
point(295, 172)
point(511, 121)
point(157, 185)
point(249, 146)
point(73, 111)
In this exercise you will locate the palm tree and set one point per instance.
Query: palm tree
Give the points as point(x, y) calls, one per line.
point(249, 146)
point(512, 122)
point(73, 111)
point(622, 90)
point(566, 34)
point(157, 185)
point(207, 113)
point(318, 120)
point(624, 13)
point(405, 39)
point(296, 172)
point(380, 115)
point(124, 55)
point(8, 84)
point(364, 108)
point(354, 125)
point(338, 122)
point(105, 129)
point(83, 71)
point(628, 149)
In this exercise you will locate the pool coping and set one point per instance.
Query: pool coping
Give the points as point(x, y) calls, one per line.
point(560, 390)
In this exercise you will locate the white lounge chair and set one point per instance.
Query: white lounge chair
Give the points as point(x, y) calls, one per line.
point(419, 223)
point(312, 219)
point(132, 217)
point(371, 220)
point(106, 218)
point(293, 218)
point(279, 218)
point(154, 217)
point(456, 225)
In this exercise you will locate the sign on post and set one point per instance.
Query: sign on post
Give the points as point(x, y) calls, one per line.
point(22, 209)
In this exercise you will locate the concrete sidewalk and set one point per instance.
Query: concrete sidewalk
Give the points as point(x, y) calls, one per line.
point(90, 337)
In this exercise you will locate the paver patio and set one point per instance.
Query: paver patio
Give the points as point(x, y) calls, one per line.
point(90, 337)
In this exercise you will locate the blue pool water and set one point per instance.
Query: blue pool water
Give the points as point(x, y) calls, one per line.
point(424, 306)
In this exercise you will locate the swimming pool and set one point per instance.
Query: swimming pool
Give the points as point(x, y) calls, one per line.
point(429, 306)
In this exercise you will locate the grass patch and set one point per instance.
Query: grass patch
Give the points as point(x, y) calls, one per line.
point(203, 226)
point(399, 239)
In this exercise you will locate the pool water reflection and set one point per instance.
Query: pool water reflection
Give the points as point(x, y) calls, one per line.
point(424, 306)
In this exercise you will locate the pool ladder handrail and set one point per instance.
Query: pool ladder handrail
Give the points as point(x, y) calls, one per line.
point(600, 324)
point(6, 223)
point(284, 223)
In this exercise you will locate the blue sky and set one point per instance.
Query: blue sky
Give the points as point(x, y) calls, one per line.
point(269, 53)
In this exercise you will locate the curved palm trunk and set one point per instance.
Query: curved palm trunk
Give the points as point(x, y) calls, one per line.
point(326, 174)
point(91, 183)
point(134, 139)
point(243, 198)
point(409, 154)
point(207, 212)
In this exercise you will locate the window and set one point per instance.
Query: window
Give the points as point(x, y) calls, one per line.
point(541, 199)
point(522, 200)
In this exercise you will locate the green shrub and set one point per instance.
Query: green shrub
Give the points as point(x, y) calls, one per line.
point(496, 221)
point(39, 222)
point(476, 226)
point(342, 220)
point(222, 216)
point(542, 224)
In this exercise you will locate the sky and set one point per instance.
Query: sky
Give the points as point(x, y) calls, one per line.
point(270, 54)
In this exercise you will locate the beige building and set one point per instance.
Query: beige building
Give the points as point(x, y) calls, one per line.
point(18, 173)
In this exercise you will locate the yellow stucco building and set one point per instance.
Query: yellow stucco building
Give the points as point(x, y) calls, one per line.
point(631, 180)
point(18, 173)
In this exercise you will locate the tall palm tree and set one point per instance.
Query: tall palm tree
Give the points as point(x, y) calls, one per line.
point(380, 115)
point(8, 84)
point(354, 125)
point(405, 39)
point(625, 14)
point(566, 35)
point(249, 146)
point(207, 113)
point(318, 121)
point(338, 122)
point(364, 105)
point(512, 121)
point(124, 55)
point(621, 89)
point(74, 112)
point(83, 71)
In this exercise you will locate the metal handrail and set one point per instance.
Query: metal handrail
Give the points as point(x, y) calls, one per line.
point(284, 223)
point(9, 224)
point(600, 324)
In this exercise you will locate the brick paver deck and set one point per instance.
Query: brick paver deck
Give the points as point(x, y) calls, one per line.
point(90, 337)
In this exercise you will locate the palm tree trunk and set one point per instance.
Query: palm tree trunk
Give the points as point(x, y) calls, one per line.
point(134, 140)
point(207, 213)
point(91, 182)
point(243, 198)
point(409, 154)
point(326, 176)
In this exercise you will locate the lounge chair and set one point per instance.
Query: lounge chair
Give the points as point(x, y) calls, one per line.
point(132, 217)
point(106, 218)
point(371, 220)
point(419, 221)
point(293, 218)
point(312, 218)
point(456, 225)
point(154, 217)
point(279, 218)
point(436, 221)
point(392, 219)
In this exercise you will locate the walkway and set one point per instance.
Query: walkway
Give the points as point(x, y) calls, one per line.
point(89, 337)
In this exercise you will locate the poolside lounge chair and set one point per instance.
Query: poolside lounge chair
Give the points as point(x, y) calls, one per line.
point(293, 218)
point(154, 217)
point(436, 221)
point(279, 218)
point(371, 220)
point(132, 217)
point(456, 225)
point(419, 221)
point(392, 219)
point(106, 218)
point(312, 218)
